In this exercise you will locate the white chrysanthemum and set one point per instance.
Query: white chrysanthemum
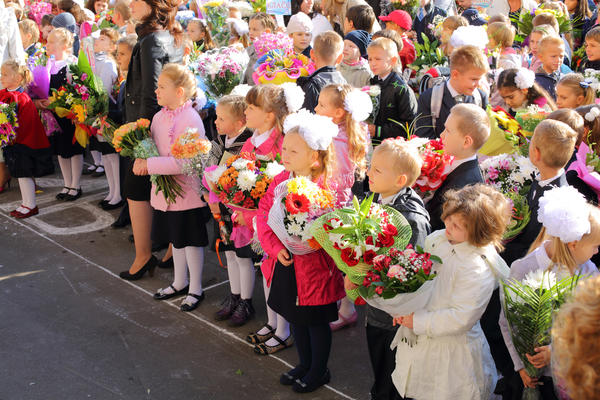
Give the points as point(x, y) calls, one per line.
point(564, 213)
point(246, 180)
point(294, 229)
point(214, 175)
point(301, 217)
point(374, 90)
point(540, 279)
point(526, 168)
point(294, 96)
point(273, 169)
point(240, 163)
point(358, 104)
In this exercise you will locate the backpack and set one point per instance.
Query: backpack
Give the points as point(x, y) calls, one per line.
point(437, 95)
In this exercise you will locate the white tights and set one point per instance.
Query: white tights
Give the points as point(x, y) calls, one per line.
point(282, 327)
point(27, 187)
point(241, 275)
point(190, 259)
point(111, 167)
point(71, 169)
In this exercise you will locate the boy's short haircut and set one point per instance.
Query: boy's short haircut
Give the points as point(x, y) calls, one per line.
point(546, 19)
point(236, 106)
point(405, 158)
point(502, 34)
point(122, 7)
point(328, 46)
point(555, 141)
point(265, 19)
point(499, 18)
point(46, 20)
point(549, 41)
point(387, 45)
point(392, 35)
point(472, 121)
point(593, 34)
point(571, 118)
point(362, 17)
point(30, 27)
point(467, 57)
point(544, 30)
point(454, 21)
point(129, 40)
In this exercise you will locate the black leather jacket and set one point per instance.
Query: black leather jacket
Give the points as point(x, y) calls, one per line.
point(149, 55)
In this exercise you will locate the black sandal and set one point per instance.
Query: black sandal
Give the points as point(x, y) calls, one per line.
point(191, 307)
point(160, 296)
point(256, 338)
point(264, 349)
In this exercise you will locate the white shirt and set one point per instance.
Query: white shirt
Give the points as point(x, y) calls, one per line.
point(453, 92)
point(389, 200)
point(545, 182)
point(258, 139)
point(456, 163)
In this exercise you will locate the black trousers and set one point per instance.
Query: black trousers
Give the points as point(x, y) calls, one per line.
point(493, 334)
point(383, 362)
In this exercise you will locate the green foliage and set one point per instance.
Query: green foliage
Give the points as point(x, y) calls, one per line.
point(428, 54)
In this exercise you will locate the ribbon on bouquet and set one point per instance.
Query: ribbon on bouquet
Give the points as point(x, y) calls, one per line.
point(82, 131)
point(584, 172)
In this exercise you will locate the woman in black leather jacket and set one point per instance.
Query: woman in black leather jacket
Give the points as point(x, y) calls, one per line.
point(159, 43)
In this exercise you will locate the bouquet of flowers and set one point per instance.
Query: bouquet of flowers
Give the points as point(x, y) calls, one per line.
point(529, 308)
point(525, 22)
point(279, 66)
point(435, 168)
point(38, 9)
point(242, 181)
point(298, 202)
point(216, 15)
point(273, 41)
point(355, 236)
point(506, 136)
point(529, 118)
point(104, 20)
point(374, 92)
point(193, 151)
point(410, 6)
point(592, 77)
point(429, 55)
point(133, 140)
point(587, 166)
point(222, 69)
point(8, 123)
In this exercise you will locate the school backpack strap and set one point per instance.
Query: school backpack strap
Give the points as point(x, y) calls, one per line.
point(437, 95)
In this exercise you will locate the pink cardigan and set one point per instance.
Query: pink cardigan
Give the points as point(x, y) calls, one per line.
point(343, 174)
point(166, 126)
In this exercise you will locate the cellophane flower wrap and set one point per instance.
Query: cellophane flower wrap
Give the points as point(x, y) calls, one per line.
point(192, 151)
point(506, 135)
point(529, 308)
point(279, 66)
point(267, 42)
point(37, 10)
point(242, 181)
point(354, 236)
point(8, 123)
point(216, 13)
point(134, 140)
point(529, 118)
point(374, 93)
point(592, 77)
point(297, 203)
point(587, 166)
point(511, 175)
point(222, 69)
point(524, 22)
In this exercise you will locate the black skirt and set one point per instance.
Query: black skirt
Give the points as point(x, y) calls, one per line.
point(283, 295)
point(63, 141)
point(24, 162)
point(135, 187)
point(102, 147)
point(181, 228)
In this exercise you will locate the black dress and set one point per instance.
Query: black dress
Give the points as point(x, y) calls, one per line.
point(181, 228)
point(63, 141)
point(283, 299)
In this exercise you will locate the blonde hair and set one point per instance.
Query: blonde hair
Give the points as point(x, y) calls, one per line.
point(181, 77)
point(387, 45)
point(65, 36)
point(502, 34)
point(326, 161)
point(571, 118)
point(472, 121)
point(499, 18)
point(357, 140)
point(485, 210)
point(573, 81)
point(30, 27)
point(22, 70)
point(236, 106)
point(546, 19)
point(122, 7)
point(556, 141)
point(328, 46)
point(467, 57)
point(593, 34)
point(576, 341)
point(405, 156)
point(453, 22)
point(543, 30)
point(271, 99)
point(266, 20)
point(550, 40)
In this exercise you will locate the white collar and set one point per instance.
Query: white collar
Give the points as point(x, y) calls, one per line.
point(453, 92)
point(547, 181)
point(258, 139)
point(385, 77)
point(456, 162)
point(390, 199)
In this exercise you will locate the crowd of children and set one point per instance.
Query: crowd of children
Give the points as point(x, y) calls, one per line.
point(322, 127)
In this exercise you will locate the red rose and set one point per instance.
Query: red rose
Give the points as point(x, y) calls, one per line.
point(297, 203)
point(248, 203)
point(336, 246)
point(437, 144)
point(360, 301)
point(381, 262)
point(384, 240)
point(349, 257)
point(379, 290)
point(390, 229)
point(238, 198)
point(366, 282)
point(369, 256)
point(394, 252)
point(369, 240)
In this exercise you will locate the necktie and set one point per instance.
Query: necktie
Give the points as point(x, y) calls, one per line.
point(459, 99)
point(421, 13)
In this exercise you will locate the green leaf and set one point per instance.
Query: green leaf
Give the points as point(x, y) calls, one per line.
point(365, 207)
point(355, 204)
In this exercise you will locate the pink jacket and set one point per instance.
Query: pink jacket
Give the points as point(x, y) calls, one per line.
point(343, 174)
point(318, 280)
point(166, 126)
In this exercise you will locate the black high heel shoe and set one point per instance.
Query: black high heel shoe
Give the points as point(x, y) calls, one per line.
point(6, 186)
point(149, 266)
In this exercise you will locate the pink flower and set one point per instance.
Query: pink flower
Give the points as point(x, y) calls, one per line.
point(493, 173)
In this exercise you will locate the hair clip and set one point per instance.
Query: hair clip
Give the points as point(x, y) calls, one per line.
point(584, 84)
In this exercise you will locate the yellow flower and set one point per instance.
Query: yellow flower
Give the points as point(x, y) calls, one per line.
point(79, 111)
point(3, 119)
point(213, 3)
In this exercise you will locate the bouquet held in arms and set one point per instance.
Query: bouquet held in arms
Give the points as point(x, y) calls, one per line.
point(8, 123)
point(374, 92)
point(506, 135)
point(192, 151)
point(435, 168)
point(133, 140)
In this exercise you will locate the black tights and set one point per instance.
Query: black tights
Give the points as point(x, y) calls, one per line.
point(313, 344)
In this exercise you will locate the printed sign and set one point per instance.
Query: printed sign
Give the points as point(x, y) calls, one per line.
point(279, 7)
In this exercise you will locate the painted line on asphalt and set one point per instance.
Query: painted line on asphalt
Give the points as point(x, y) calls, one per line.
point(193, 315)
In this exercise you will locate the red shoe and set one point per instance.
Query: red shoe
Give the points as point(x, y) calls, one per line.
point(30, 213)
point(342, 321)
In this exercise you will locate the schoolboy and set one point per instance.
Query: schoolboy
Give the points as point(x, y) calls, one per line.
point(401, 22)
point(354, 66)
point(397, 101)
point(30, 34)
point(551, 50)
point(423, 21)
point(360, 17)
point(467, 66)
point(592, 50)
point(259, 23)
point(327, 53)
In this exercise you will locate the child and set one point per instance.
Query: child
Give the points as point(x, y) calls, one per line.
point(592, 50)
point(580, 13)
point(472, 15)
point(423, 21)
point(449, 25)
point(30, 35)
point(550, 149)
point(30, 155)
point(397, 101)
point(395, 166)
point(300, 30)
point(268, 106)
point(502, 37)
point(449, 337)
point(97, 6)
point(305, 287)
point(259, 23)
point(362, 18)
point(467, 66)
point(354, 66)
point(238, 29)
point(565, 249)
point(401, 22)
point(122, 17)
point(326, 54)
point(519, 90)
point(573, 91)
point(182, 223)
point(537, 34)
point(46, 26)
point(199, 34)
point(550, 19)
point(231, 125)
point(466, 130)
point(551, 53)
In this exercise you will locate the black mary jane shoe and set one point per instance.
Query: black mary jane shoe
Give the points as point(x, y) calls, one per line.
point(164, 296)
point(73, 197)
point(302, 387)
point(288, 378)
point(102, 203)
point(191, 307)
point(61, 195)
point(149, 266)
point(109, 207)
